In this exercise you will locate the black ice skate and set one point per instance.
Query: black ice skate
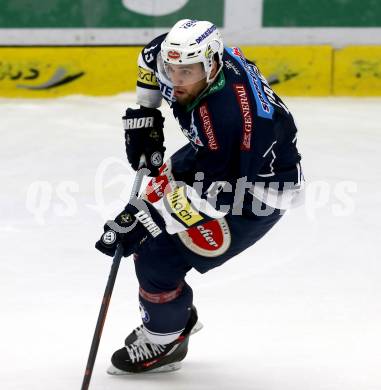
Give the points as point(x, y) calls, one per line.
point(140, 355)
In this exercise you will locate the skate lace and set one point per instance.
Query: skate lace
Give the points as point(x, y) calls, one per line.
point(142, 348)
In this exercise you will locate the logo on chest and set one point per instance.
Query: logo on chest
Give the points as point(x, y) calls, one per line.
point(207, 127)
point(192, 132)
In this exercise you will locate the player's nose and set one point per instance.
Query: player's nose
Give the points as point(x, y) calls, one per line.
point(177, 79)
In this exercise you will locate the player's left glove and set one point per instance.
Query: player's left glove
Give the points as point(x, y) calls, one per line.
point(133, 226)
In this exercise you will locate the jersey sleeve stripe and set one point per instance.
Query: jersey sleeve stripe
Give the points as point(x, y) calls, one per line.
point(147, 86)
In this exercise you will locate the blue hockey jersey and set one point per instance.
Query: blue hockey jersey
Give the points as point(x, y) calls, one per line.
point(242, 140)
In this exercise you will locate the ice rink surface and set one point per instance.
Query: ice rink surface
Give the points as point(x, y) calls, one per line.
point(301, 310)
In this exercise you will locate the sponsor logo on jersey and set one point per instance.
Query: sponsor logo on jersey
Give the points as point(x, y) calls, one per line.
point(237, 52)
point(181, 207)
point(158, 188)
point(160, 184)
point(148, 223)
point(174, 55)
point(206, 34)
point(167, 92)
point(138, 123)
point(254, 79)
point(208, 127)
point(247, 116)
point(210, 239)
point(208, 236)
point(229, 65)
point(218, 84)
point(146, 77)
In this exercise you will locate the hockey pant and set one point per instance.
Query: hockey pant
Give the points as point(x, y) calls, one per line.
point(162, 264)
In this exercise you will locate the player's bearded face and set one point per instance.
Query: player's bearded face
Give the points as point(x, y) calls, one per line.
point(188, 81)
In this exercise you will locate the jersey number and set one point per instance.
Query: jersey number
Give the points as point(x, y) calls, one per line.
point(148, 56)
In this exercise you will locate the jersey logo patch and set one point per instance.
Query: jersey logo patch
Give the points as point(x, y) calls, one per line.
point(229, 65)
point(160, 185)
point(192, 132)
point(182, 208)
point(247, 116)
point(210, 239)
point(146, 78)
point(207, 127)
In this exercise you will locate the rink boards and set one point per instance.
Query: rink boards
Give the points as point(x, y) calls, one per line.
point(40, 72)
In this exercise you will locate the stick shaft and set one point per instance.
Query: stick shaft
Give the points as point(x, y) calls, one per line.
point(107, 294)
point(102, 318)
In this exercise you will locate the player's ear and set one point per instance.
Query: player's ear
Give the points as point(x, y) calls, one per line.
point(214, 69)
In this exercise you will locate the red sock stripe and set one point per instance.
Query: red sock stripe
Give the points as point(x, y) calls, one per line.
point(163, 297)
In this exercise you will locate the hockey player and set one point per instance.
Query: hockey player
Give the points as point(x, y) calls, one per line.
point(214, 197)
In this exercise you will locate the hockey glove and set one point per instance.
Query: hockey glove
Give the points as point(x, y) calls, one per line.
point(137, 223)
point(144, 135)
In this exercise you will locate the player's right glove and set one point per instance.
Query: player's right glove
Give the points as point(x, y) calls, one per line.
point(137, 223)
point(144, 135)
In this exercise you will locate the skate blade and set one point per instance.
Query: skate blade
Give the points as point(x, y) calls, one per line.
point(197, 327)
point(112, 370)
